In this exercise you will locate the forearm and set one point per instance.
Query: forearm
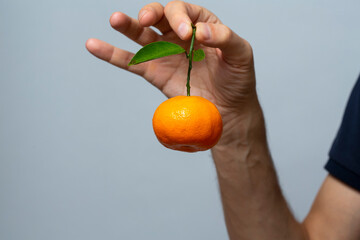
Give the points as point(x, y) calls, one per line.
point(253, 204)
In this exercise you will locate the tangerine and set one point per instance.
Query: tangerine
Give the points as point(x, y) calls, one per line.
point(187, 123)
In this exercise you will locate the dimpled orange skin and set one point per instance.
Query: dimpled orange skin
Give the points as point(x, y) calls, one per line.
point(187, 123)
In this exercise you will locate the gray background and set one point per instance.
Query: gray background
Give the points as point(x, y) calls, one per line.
point(78, 158)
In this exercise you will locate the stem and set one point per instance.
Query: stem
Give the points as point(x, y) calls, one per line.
point(190, 57)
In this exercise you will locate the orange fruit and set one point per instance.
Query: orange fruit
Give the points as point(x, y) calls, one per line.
point(187, 123)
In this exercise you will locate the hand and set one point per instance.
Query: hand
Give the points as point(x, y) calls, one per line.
point(226, 76)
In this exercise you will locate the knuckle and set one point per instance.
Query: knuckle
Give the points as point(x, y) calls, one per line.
point(157, 7)
point(176, 2)
point(227, 33)
point(173, 3)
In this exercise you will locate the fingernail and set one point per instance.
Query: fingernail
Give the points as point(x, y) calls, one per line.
point(142, 14)
point(183, 30)
point(206, 32)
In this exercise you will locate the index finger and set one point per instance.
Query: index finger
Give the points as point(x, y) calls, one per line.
point(210, 32)
point(180, 16)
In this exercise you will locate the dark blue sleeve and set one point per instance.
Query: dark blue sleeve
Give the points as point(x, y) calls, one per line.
point(344, 156)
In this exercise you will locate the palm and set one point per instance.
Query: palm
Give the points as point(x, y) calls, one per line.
point(207, 78)
point(170, 74)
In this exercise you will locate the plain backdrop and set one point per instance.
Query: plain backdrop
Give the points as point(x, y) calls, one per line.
point(78, 157)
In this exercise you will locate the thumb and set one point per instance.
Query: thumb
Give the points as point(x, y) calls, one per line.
point(235, 50)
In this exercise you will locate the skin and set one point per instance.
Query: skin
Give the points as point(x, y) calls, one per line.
point(253, 204)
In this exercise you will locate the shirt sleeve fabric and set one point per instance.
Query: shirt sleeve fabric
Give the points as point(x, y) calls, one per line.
point(344, 155)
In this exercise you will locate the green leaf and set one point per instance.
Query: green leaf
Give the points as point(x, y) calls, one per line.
point(198, 55)
point(156, 50)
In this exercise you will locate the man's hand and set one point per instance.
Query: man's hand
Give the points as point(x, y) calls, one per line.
point(226, 76)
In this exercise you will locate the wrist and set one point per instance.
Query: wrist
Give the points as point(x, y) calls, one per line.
point(243, 138)
point(242, 126)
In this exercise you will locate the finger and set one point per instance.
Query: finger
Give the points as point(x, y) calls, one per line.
point(113, 55)
point(153, 15)
point(234, 49)
point(132, 29)
point(180, 16)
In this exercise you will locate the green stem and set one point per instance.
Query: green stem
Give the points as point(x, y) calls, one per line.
point(190, 57)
